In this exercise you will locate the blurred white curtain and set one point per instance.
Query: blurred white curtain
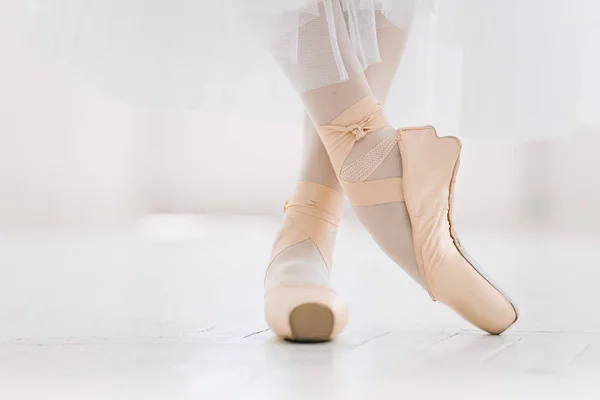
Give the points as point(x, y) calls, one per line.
point(73, 151)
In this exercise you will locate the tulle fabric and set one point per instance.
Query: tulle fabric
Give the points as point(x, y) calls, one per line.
point(165, 49)
point(302, 34)
point(500, 68)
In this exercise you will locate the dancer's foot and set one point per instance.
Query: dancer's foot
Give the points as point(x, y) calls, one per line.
point(299, 302)
point(419, 193)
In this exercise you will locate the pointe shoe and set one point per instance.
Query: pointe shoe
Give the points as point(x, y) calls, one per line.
point(299, 302)
point(429, 165)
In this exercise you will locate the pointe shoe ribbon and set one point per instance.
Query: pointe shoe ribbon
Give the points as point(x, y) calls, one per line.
point(313, 213)
point(339, 137)
point(351, 126)
point(321, 209)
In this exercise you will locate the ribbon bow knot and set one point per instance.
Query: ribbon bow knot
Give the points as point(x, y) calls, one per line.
point(358, 131)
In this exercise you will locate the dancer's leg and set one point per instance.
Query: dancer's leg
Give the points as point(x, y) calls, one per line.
point(365, 154)
point(303, 262)
point(299, 302)
point(395, 239)
point(316, 166)
point(326, 103)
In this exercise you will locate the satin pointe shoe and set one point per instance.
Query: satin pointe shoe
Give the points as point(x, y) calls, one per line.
point(299, 302)
point(429, 168)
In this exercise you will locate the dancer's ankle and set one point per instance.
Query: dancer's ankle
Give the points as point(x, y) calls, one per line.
point(379, 148)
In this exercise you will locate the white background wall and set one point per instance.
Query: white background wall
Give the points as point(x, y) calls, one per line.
point(72, 154)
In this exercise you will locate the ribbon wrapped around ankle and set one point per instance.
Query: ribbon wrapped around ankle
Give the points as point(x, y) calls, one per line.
point(313, 209)
point(350, 126)
point(313, 213)
point(318, 201)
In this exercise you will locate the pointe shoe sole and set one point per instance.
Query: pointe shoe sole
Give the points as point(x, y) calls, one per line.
point(462, 250)
point(305, 313)
point(311, 322)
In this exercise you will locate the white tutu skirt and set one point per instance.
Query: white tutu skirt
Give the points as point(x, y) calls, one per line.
point(503, 68)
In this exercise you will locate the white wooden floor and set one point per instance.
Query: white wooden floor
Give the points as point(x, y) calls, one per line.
point(173, 310)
